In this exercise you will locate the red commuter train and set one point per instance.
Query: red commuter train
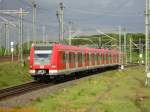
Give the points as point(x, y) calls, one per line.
point(51, 60)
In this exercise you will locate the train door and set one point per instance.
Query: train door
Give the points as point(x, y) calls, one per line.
point(102, 58)
point(83, 59)
point(63, 58)
point(98, 59)
point(115, 56)
point(118, 58)
point(79, 59)
point(96, 62)
point(71, 59)
point(112, 55)
point(93, 58)
point(114, 59)
point(76, 60)
point(90, 60)
point(61, 64)
point(107, 58)
point(109, 55)
point(87, 59)
point(67, 60)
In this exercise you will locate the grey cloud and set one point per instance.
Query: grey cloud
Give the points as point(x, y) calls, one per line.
point(85, 13)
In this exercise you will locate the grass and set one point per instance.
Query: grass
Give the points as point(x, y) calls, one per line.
point(12, 74)
point(111, 91)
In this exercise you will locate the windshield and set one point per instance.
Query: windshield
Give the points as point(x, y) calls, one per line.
point(42, 57)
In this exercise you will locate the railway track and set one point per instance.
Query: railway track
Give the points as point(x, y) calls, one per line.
point(22, 89)
point(133, 65)
point(31, 86)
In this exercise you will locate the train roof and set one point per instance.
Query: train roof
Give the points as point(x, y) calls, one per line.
point(42, 46)
point(74, 48)
point(71, 48)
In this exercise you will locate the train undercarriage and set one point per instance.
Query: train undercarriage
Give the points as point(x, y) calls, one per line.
point(46, 77)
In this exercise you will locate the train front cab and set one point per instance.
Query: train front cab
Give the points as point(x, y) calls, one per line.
point(41, 60)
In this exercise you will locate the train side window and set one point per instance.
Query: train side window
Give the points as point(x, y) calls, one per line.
point(79, 57)
point(63, 57)
point(95, 55)
point(97, 58)
point(109, 58)
point(100, 58)
point(93, 58)
point(118, 58)
point(114, 58)
point(76, 59)
point(90, 59)
point(73, 58)
point(105, 58)
point(69, 57)
point(83, 59)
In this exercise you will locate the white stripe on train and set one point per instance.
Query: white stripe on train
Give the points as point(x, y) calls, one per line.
point(68, 71)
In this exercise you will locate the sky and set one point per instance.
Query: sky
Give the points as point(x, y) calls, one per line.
point(87, 15)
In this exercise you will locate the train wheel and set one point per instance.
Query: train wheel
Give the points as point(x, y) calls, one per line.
point(38, 79)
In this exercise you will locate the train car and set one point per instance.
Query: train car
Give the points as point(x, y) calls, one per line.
point(52, 60)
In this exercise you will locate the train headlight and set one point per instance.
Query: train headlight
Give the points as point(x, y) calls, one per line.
point(32, 71)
